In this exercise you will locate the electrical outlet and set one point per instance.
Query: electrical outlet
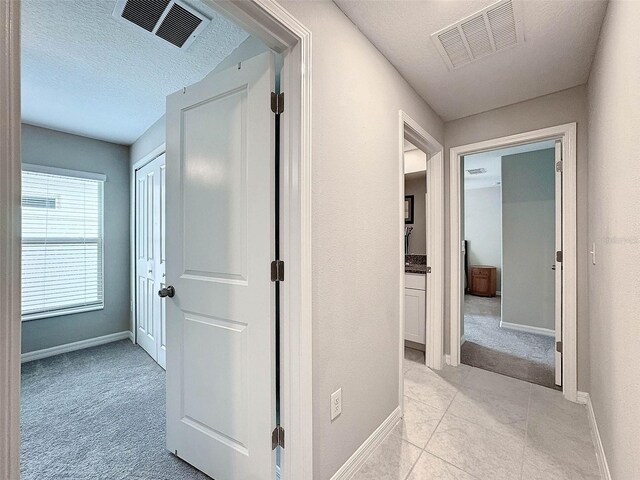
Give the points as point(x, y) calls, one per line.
point(336, 403)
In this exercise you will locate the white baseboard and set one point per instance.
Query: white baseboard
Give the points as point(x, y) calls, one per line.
point(360, 456)
point(132, 337)
point(528, 329)
point(462, 340)
point(585, 399)
point(70, 347)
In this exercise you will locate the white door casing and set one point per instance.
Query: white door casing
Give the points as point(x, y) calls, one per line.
point(568, 279)
point(150, 265)
point(220, 190)
point(558, 265)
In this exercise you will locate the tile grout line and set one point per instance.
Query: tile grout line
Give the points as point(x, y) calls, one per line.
point(424, 449)
point(526, 432)
point(432, 433)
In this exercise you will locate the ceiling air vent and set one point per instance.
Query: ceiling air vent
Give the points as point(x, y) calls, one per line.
point(488, 31)
point(476, 171)
point(171, 20)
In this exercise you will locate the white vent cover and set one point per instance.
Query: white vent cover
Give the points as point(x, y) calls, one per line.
point(171, 20)
point(488, 31)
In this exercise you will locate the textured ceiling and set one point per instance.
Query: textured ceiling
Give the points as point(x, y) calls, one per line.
point(560, 40)
point(491, 162)
point(85, 72)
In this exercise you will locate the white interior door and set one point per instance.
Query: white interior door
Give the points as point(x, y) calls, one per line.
point(220, 191)
point(558, 265)
point(150, 270)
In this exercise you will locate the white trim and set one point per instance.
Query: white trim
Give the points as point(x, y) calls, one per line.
point(132, 337)
point(418, 136)
point(567, 133)
point(72, 347)
point(362, 454)
point(10, 246)
point(274, 25)
point(547, 332)
point(585, 399)
point(463, 339)
point(63, 312)
point(64, 172)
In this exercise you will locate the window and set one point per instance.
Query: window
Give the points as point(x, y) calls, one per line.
point(62, 242)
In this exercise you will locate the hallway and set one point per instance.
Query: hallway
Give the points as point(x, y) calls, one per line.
point(464, 423)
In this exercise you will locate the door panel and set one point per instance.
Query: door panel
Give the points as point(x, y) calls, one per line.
point(150, 270)
point(219, 191)
point(145, 295)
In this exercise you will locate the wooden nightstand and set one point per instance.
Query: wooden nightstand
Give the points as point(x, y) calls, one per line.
point(483, 281)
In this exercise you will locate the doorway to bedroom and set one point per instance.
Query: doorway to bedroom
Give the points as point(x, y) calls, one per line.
point(509, 262)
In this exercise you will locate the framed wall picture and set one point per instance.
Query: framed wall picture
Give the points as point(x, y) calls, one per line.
point(408, 209)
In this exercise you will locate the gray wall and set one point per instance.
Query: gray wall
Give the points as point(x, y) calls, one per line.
point(528, 239)
point(355, 195)
point(41, 146)
point(483, 228)
point(416, 184)
point(614, 227)
point(555, 109)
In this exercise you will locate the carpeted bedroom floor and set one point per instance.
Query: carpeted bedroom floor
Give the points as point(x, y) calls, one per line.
point(526, 356)
point(97, 413)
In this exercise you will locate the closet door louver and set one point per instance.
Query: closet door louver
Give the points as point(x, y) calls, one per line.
point(62, 244)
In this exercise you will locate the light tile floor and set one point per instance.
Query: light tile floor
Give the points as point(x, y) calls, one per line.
point(464, 423)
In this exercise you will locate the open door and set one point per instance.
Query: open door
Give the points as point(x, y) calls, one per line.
point(558, 262)
point(220, 216)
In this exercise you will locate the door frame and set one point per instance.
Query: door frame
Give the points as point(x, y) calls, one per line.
point(410, 129)
point(567, 134)
point(151, 156)
point(283, 33)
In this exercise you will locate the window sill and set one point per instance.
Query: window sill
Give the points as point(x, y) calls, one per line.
point(61, 313)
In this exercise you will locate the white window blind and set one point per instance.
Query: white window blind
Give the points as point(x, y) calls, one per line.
point(62, 243)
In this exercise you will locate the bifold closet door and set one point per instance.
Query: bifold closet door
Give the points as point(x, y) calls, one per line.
point(150, 271)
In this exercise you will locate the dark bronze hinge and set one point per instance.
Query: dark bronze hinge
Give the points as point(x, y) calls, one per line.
point(277, 271)
point(277, 103)
point(559, 256)
point(559, 347)
point(559, 166)
point(277, 437)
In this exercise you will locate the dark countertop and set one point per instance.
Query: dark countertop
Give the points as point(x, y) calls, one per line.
point(420, 269)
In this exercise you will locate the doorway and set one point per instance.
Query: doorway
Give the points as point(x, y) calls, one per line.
point(560, 299)
point(421, 246)
point(283, 34)
point(509, 227)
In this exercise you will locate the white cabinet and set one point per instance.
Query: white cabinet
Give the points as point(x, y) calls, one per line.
point(414, 308)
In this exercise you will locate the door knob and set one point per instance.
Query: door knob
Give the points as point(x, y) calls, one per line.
point(167, 291)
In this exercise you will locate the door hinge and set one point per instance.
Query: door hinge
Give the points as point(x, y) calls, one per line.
point(277, 437)
point(559, 347)
point(428, 269)
point(559, 256)
point(277, 103)
point(277, 271)
point(559, 166)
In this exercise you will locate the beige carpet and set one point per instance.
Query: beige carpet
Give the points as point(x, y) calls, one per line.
point(526, 356)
